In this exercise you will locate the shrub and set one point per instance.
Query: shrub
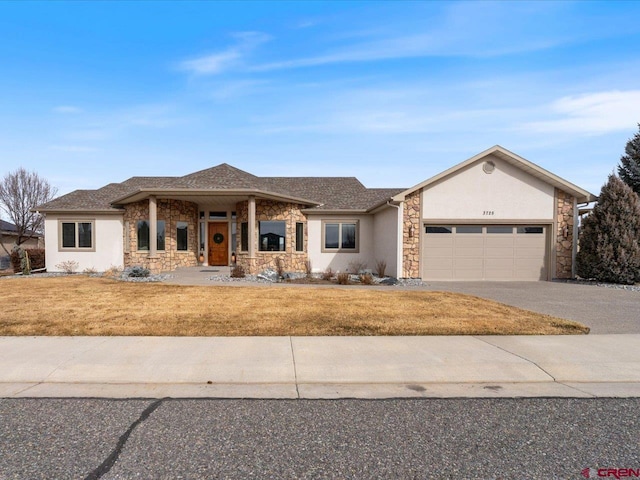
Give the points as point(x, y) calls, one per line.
point(366, 279)
point(36, 258)
point(138, 272)
point(113, 271)
point(90, 271)
point(68, 266)
point(327, 274)
point(356, 266)
point(381, 267)
point(308, 268)
point(609, 248)
point(343, 278)
point(237, 271)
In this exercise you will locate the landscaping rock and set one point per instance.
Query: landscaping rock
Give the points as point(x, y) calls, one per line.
point(389, 281)
point(269, 275)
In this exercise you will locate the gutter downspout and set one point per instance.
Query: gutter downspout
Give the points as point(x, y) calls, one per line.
point(399, 239)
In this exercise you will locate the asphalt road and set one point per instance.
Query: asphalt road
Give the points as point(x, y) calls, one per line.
point(425, 438)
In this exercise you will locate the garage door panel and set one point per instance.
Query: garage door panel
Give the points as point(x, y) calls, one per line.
point(518, 255)
point(468, 252)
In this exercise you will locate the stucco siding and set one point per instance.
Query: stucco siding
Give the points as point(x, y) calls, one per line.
point(507, 193)
point(339, 261)
point(107, 251)
point(385, 235)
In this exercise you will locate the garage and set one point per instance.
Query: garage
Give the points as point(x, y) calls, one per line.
point(484, 252)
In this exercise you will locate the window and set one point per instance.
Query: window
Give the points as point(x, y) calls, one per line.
point(143, 235)
point(499, 229)
point(432, 229)
point(340, 236)
point(469, 229)
point(244, 236)
point(77, 235)
point(272, 236)
point(536, 230)
point(299, 237)
point(217, 215)
point(182, 233)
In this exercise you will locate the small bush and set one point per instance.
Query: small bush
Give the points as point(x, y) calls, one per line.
point(36, 258)
point(356, 266)
point(68, 266)
point(327, 274)
point(279, 267)
point(308, 269)
point(90, 271)
point(237, 271)
point(343, 278)
point(113, 271)
point(366, 279)
point(138, 272)
point(381, 267)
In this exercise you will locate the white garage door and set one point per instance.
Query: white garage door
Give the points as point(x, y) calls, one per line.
point(484, 252)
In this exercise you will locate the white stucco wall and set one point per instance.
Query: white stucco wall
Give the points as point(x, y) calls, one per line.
point(340, 261)
point(472, 194)
point(108, 243)
point(385, 234)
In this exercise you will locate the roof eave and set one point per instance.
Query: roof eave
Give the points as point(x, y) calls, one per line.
point(143, 193)
point(514, 159)
point(87, 211)
point(335, 211)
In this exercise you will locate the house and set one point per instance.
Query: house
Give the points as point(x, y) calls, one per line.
point(9, 238)
point(495, 216)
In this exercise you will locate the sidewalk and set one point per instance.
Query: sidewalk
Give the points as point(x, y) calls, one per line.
point(321, 367)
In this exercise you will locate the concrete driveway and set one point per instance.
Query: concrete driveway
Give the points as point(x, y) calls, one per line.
point(605, 310)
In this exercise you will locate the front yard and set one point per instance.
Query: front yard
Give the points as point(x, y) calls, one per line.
point(81, 305)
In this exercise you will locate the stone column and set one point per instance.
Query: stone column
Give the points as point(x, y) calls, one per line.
point(153, 227)
point(252, 226)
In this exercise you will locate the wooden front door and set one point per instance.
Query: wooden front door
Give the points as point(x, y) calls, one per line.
point(218, 244)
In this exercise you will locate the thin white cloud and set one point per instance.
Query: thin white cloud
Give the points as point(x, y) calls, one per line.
point(214, 63)
point(67, 109)
point(593, 113)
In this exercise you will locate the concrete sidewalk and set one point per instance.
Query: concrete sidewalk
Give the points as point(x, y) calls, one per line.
point(321, 367)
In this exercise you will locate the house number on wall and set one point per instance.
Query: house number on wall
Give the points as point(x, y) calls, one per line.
point(488, 212)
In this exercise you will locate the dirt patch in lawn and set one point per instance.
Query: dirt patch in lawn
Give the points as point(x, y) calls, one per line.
point(80, 305)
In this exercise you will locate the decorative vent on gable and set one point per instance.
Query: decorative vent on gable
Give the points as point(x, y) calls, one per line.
point(488, 167)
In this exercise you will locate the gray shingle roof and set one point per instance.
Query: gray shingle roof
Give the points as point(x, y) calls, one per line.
point(323, 193)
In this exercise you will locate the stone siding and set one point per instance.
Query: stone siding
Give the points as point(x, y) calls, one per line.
point(271, 210)
point(411, 244)
point(172, 212)
point(564, 245)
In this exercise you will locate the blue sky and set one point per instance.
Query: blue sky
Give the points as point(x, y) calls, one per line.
point(390, 92)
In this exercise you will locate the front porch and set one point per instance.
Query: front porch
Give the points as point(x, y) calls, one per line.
point(255, 232)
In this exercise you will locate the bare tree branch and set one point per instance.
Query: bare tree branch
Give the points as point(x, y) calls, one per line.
point(20, 192)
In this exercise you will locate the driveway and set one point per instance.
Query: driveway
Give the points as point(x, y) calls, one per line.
point(605, 310)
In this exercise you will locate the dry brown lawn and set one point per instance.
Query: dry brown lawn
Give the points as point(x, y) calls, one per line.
point(79, 305)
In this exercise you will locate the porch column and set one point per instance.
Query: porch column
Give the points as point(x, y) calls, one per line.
point(153, 227)
point(252, 226)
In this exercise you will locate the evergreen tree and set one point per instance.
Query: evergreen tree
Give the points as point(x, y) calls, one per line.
point(629, 168)
point(609, 248)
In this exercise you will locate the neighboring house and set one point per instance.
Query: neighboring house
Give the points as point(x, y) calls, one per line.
point(9, 237)
point(495, 216)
